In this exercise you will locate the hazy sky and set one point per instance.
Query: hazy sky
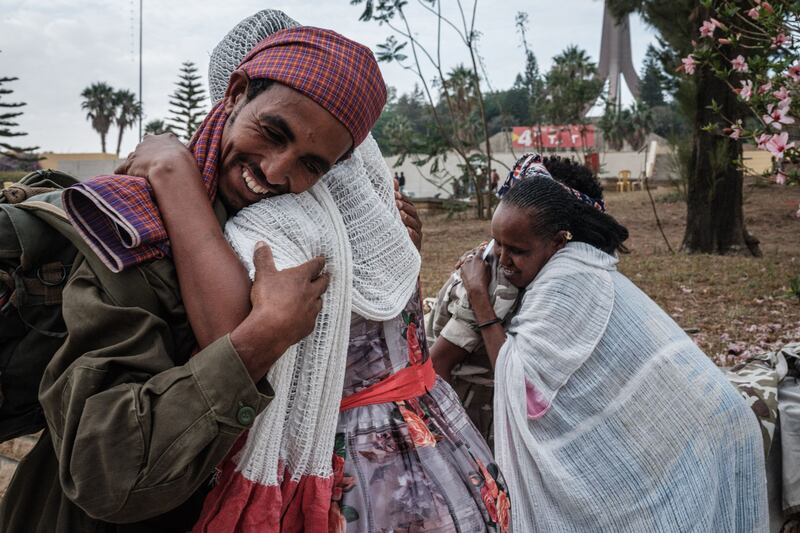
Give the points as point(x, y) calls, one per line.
point(58, 47)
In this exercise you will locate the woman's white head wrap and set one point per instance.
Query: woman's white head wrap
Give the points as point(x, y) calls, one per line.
point(241, 39)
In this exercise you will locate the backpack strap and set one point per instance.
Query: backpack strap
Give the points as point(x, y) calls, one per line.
point(125, 288)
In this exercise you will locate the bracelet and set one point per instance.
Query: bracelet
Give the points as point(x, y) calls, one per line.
point(488, 323)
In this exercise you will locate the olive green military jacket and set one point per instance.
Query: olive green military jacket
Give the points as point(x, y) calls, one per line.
point(136, 424)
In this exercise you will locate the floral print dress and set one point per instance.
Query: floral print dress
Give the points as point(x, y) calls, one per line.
point(413, 465)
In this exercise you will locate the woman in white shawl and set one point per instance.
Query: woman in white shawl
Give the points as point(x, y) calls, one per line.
point(607, 416)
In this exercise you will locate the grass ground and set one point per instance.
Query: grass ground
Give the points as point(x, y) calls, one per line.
point(732, 305)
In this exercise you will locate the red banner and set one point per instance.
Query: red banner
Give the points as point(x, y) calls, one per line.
point(553, 137)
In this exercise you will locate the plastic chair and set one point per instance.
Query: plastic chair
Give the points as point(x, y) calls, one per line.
point(624, 180)
point(637, 182)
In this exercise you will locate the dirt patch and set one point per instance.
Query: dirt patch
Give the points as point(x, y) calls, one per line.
point(732, 305)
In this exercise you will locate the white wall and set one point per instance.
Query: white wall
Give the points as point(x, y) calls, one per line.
point(418, 179)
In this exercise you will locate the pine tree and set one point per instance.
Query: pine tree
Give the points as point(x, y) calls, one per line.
point(8, 114)
point(651, 89)
point(186, 103)
point(531, 80)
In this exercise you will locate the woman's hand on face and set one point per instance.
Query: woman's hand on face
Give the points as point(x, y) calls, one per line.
point(475, 275)
point(478, 250)
point(161, 159)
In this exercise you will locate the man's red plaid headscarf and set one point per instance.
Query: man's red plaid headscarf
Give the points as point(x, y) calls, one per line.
point(117, 215)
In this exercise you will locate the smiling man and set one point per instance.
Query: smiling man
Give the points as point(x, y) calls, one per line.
point(139, 412)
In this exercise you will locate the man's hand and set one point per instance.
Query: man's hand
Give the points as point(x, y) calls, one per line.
point(159, 156)
point(285, 308)
point(409, 216)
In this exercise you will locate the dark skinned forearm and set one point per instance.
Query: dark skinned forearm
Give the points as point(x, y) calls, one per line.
point(214, 284)
point(494, 336)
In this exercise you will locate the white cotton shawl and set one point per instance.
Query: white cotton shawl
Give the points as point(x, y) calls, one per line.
point(351, 218)
point(609, 418)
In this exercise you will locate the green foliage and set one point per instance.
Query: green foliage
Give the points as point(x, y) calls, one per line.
point(129, 109)
point(99, 102)
point(530, 80)
point(187, 107)
point(651, 89)
point(615, 125)
point(157, 126)
point(8, 123)
point(620, 125)
point(572, 87)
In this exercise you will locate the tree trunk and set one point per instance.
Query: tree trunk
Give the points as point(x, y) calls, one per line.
point(103, 141)
point(714, 218)
point(119, 140)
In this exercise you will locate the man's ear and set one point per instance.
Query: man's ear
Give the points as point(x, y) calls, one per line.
point(236, 91)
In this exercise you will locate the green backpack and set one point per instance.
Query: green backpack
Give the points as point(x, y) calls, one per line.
point(38, 247)
point(35, 261)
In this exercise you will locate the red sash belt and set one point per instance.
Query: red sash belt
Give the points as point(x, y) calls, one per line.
point(405, 384)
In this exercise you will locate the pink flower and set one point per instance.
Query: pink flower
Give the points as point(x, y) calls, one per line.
point(723, 40)
point(739, 64)
point(776, 116)
point(689, 65)
point(779, 40)
point(780, 178)
point(707, 29)
point(778, 144)
point(765, 88)
point(736, 130)
point(746, 91)
point(717, 23)
point(785, 103)
point(753, 13)
point(781, 94)
point(794, 73)
point(767, 6)
point(762, 140)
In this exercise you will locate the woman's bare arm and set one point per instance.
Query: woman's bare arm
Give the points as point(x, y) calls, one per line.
point(445, 356)
point(476, 277)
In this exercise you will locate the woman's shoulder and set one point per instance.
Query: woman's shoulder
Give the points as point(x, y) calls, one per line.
point(578, 263)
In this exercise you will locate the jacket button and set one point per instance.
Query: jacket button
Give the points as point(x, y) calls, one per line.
point(246, 415)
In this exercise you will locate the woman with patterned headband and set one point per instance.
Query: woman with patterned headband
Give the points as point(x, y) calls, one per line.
point(607, 416)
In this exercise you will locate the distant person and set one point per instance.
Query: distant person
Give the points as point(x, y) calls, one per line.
point(495, 180)
point(609, 417)
point(401, 181)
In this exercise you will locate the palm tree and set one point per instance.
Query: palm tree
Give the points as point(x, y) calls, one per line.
point(157, 126)
point(100, 106)
point(616, 126)
point(460, 94)
point(641, 124)
point(128, 112)
point(572, 86)
point(575, 62)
